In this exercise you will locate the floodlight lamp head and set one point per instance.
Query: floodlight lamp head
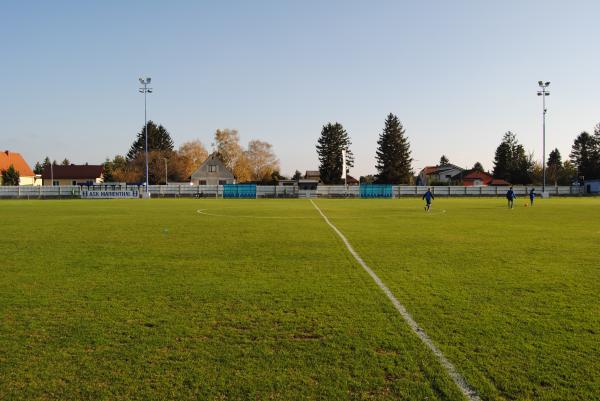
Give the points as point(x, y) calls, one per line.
point(148, 80)
point(540, 83)
point(539, 93)
point(141, 80)
point(547, 83)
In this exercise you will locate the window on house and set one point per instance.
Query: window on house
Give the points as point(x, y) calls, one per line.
point(73, 182)
point(222, 182)
point(55, 183)
point(202, 182)
point(212, 168)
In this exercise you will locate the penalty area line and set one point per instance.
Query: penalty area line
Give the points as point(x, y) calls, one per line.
point(458, 379)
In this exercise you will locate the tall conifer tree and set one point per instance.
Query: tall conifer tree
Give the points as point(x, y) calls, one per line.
point(332, 141)
point(393, 154)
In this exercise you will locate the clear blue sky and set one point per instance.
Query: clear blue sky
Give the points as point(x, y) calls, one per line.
point(458, 74)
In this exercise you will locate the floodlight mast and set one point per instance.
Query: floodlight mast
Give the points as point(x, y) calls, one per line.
point(145, 81)
point(543, 93)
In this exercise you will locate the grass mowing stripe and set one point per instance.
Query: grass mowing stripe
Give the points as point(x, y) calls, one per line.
point(458, 379)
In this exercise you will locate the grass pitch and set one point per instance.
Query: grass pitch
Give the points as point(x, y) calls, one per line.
point(259, 299)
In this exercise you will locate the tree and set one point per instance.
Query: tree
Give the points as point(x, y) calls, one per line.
point(39, 168)
point(333, 140)
point(192, 154)
point(123, 170)
point(159, 139)
point(262, 161)
point(297, 176)
point(46, 162)
point(65, 162)
point(584, 155)
point(554, 166)
point(227, 142)
point(478, 167)
point(108, 171)
point(444, 160)
point(511, 163)
point(10, 176)
point(393, 153)
point(567, 174)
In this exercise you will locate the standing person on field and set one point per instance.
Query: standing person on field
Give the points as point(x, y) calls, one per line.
point(428, 196)
point(531, 196)
point(510, 196)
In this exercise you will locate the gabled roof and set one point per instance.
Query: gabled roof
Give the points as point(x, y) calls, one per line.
point(312, 173)
point(75, 171)
point(498, 182)
point(437, 169)
point(213, 158)
point(477, 175)
point(8, 158)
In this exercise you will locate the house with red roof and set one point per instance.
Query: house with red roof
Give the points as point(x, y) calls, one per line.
point(26, 174)
point(480, 178)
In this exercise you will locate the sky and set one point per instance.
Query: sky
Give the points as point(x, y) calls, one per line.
point(458, 74)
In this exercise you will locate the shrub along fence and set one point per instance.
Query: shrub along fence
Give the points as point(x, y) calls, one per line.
point(271, 191)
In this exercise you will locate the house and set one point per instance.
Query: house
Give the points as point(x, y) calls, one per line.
point(445, 174)
point(73, 174)
point(212, 172)
point(592, 186)
point(313, 175)
point(26, 175)
point(476, 178)
point(351, 180)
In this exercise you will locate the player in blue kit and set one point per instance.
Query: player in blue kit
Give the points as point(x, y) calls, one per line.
point(428, 196)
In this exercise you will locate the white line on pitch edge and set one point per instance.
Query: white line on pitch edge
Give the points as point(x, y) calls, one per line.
point(458, 379)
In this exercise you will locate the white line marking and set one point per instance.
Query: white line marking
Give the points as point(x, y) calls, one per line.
point(458, 379)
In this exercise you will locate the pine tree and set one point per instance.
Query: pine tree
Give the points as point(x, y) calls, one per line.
point(511, 163)
point(583, 154)
point(333, 140)
point(65, 162)
point(39, 168)
point(554, 166)
point(393, 154)
point(159, 139)
point(478, 167)
point(444, 160)
point(10, 176)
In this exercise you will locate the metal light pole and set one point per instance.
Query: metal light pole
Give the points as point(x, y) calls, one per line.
point(543, 93)
point(145, 90)
point(166, 181)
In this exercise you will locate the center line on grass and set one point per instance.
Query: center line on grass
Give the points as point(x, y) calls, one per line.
point(458, 379)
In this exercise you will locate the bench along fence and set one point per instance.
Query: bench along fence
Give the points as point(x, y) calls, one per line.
point(272, 191)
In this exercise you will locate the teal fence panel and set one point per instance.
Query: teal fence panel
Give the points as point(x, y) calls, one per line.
point(375, 191)
point(239, 191)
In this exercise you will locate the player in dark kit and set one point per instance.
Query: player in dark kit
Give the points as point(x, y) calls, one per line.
point(510, 196)
point(428, 196)
point(531, 196)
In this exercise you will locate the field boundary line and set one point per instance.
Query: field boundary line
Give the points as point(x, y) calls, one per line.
point(458, 379)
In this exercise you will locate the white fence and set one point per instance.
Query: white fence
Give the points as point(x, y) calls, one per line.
point(271, 191)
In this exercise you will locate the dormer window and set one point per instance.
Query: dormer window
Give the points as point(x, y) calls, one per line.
point(212, 168)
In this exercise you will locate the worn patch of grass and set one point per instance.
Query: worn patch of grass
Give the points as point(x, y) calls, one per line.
point(510, 296)
point(148, 300)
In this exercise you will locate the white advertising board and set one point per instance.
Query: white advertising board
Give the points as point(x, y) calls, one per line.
point(110, 194)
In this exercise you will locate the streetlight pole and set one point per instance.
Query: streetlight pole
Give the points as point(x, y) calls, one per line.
point(166, 181)
point(543, 93)
point(145, 90)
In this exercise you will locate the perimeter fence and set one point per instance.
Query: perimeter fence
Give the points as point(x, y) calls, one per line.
point(273, 191)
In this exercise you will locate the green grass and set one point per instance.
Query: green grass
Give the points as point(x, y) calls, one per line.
point(258, 299)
